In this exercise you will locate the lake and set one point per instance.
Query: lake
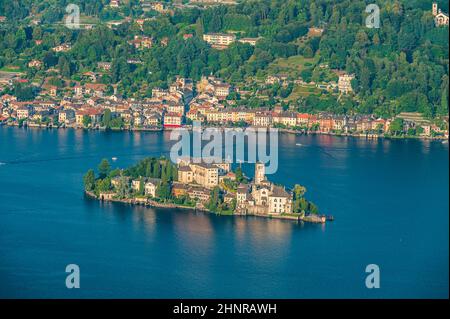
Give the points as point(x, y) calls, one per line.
point(389, 199)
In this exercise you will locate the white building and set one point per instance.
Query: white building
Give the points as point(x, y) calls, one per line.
point(440, 18)
point(268, 198)
point(204, 174)
point(345, 83)
point(251, 41)
point(151, 185)
point(219, 40)
point(114, 3)
point(260, 173)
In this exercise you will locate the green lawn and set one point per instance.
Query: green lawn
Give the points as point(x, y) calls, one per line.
point(295, 63)
point(11, 68)
point(88, 19)
point(301, 91)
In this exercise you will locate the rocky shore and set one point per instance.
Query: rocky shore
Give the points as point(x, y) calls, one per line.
point(316, 219)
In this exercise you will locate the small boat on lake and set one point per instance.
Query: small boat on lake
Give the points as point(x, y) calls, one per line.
point(329, 218)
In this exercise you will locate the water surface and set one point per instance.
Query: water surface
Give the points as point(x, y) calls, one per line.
point(389, 198)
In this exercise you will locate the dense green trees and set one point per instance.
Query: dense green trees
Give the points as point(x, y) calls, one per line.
point(123, 187)
point(396, 127)
point(239, 175)
point(104, 168)
point(163, 191)
point(153, 167)
point(393, 61)
point(107, 118)
point(103, 185)
point(402, 66)
point(300, 204)
point(87, 120)
point(216, 200)
point(89, 180)
point(24, 92)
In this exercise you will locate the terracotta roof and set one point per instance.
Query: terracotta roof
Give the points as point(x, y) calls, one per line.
point(89, 111)
point(170, 114)
point(154, 181)
point(184, 169)
point(279, 191)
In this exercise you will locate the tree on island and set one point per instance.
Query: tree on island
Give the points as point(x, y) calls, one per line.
point(299, 191)
point(300, 204)
point(156, 172)
point(141, 186)
point(103, 185)
point(312, 209)
point(164, 191)
point(239, 175)
point(168, 171)
point(215, 201)
point(104, 168)
point(89, 180)
point(123, 187)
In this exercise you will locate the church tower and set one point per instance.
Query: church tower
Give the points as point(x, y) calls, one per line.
point(435, 9)
point(260, 172)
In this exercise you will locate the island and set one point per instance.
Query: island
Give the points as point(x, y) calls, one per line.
point(197, 185)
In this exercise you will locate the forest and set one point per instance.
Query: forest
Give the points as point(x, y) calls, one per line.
point(401, 66)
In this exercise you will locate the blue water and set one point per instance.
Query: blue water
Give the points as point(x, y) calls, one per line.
point(389, 199)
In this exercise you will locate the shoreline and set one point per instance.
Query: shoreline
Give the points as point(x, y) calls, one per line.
point(320, 219)
point(367, 136)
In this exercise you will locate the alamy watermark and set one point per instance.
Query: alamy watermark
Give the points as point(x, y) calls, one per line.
point(226, 145)
point(373, 19)
point(373, 279)
point(73, 16)
point(73, 279)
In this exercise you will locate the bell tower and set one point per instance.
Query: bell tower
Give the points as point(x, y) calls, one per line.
point(435, 9)
point(260, 173)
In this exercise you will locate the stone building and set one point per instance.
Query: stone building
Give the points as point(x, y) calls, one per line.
point(264, 197)
point(204, 174)
point(440, 18)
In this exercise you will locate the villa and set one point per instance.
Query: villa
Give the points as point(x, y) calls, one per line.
point(219, 40)
point(204, 174)
point(263, 197)
point(440, 18)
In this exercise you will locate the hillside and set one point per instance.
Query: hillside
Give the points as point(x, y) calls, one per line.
point(402, 66)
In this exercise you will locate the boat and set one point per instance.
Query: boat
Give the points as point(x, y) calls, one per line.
point(299, 144)
point(114, 159)
point(329, 218)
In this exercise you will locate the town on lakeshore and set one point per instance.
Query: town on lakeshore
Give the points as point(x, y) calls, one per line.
point(164, 65)
point(209, 187)
point(89, 107)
